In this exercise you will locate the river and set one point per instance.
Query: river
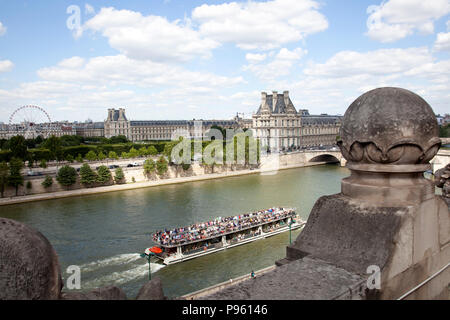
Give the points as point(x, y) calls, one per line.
point(104, 234)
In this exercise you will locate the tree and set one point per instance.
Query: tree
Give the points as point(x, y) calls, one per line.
point(113, 155)
point(88, 177)
point(118, 139)
point(3, 176)
point(149, 166)
point(161, 166)
point(29, 185)
point(119, 176)
point(133, 153)
point(66, 176)
point(48, 181)
point(91, 156)
point(69, 158)
point(101, 156)
point(124, 155)
point(43, 164)
point(104, 175)
point(15, 178)
point(54, 145)
point(142, 152)
point(151, 150)
point(79, 158)
point(18, 147)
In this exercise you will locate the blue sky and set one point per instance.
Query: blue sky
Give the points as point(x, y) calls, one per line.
point(210, 59)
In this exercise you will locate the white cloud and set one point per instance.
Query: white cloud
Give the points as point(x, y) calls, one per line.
point(255, 57)
point(260, 25)
point(2, 29)
point(6, 65)
point(150, 37)
point(332, 85)
point(395, 19)
point(281, 65)
point(443, 40)
point(378, 62)
point(121, 70)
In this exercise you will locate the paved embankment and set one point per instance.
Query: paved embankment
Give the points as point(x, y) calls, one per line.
point(220, 286)
point(137, 185)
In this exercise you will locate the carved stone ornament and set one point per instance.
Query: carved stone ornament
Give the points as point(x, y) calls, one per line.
point(389, 126)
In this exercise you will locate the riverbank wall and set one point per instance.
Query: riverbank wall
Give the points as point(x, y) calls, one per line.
point(174, 175)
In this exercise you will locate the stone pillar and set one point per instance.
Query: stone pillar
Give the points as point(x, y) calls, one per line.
point(387, 214)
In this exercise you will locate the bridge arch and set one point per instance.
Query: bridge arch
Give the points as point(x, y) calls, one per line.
point(325, 158)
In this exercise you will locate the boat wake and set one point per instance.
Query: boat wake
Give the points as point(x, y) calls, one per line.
point(115, 260)
point(121, 277)
point(116, 270)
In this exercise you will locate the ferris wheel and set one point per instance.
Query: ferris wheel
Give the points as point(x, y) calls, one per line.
point(30, 121)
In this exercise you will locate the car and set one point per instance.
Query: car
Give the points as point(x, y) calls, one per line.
point(113, 166)
point(32, 173)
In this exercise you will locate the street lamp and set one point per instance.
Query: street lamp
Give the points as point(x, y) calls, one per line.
point(291, 222)
point(148, 254)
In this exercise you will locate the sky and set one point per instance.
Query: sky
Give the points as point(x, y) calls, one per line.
point(181, 59)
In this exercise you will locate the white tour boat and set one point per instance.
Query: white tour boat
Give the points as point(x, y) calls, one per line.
point(200, 239)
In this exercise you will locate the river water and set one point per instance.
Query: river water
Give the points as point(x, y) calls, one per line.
point(104, 234)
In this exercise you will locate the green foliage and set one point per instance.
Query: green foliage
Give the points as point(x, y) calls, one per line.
point(18, 147)
point(66, 176)
point(69, 158)
point(54, 145)
point(118, 139)
point(40, 154)
point(444, 131)
point(113, 155)
point(101, 156)
point(133, 153)
point(43, 164)
point(161, 166)
point(142, 152)
point(79, 158)
point(152, 151)
point(88, 177)
point(3, 176)
point(91, 156)
point(5, 155)
point(15, 178)
point(104, 175)
point(29, 185)
point(119, 176)
point(133, 179)
point(48, 182)
point(70, 140)
point(124, 155)
point(149, 166)
point(186, 166)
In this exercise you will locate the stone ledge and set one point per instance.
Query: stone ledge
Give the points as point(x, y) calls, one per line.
point(305, 279)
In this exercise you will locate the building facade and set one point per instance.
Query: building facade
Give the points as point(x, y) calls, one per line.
point(280, 126)
point(145, 130)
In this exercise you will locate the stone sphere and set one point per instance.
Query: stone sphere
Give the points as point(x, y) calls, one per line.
point(389, 126)
point(29, 268)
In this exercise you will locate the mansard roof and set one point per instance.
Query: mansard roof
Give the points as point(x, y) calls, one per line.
point(181, 122)
point(280, 106)
point(320, 119)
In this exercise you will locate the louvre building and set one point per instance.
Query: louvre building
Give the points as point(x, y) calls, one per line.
point(281, 127)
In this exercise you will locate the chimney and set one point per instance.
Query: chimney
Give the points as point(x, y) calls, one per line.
point(274, 99)
point(286, 98)
point(121, 114)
